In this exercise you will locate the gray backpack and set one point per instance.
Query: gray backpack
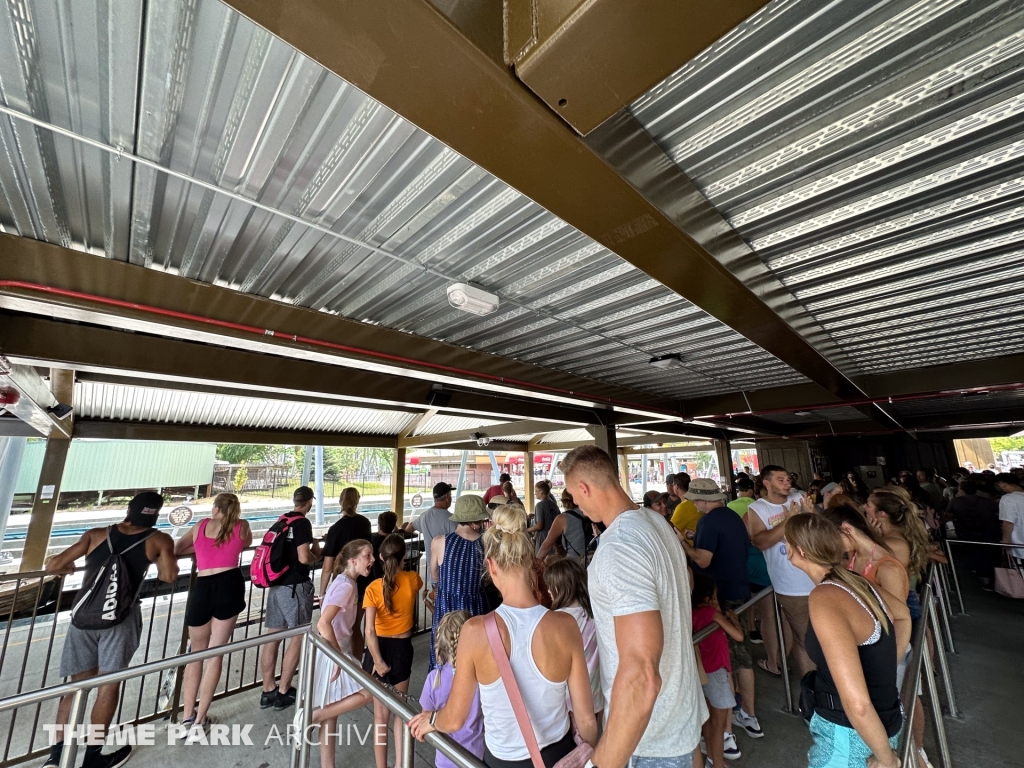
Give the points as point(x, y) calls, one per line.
point(108, 600)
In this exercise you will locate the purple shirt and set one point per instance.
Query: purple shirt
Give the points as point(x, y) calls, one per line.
point(470, 735)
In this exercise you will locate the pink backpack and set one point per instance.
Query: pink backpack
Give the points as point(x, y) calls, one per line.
point(269, 563)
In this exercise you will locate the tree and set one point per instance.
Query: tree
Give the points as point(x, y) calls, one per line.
point(250, 454)
point(1000, 444)
point(241, 477)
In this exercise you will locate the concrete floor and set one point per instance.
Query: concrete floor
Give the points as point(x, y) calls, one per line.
point(987, 670)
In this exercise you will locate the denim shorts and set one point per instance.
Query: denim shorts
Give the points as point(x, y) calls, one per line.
point(838, 747)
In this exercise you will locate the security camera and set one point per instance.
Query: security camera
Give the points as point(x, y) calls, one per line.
point(483, 442)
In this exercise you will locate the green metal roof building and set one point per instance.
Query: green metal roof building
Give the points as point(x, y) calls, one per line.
point(102, 465)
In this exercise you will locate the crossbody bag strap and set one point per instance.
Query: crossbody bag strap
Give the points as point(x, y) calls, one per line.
point(512, 689)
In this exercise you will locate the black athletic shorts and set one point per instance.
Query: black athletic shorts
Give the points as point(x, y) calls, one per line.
point(397, 654)
point(219, 596)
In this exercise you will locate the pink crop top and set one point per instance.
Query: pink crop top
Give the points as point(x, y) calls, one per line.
point(209, 555)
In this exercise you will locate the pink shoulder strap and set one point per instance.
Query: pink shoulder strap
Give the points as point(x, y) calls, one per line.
point(512, 689)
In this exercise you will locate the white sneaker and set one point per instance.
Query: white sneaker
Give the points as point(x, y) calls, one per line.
point(703, 746)
point(731, 751)
point(748, 723)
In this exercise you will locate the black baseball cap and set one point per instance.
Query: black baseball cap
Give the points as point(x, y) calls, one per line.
point(744, 484)
point(442, 489)
point(302, 494)
point(146, 503)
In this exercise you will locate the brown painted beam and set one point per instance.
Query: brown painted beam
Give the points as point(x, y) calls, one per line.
point(82, 346)
point(409, 57)
point(588, 59)
point(204, 433)
point(34, 262)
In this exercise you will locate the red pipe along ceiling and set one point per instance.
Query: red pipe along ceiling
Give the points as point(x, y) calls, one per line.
point(315, 342)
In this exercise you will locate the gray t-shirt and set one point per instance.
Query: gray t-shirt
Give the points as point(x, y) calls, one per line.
point(544, 513)
point(640, 567)
point(433, 522)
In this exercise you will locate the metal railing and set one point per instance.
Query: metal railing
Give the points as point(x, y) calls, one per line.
point(952, 566)
point(34, 615)
point(396, 704)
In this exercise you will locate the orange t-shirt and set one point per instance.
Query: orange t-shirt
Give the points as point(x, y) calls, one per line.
point(407, 586)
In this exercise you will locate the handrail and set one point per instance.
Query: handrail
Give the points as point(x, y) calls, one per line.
point(912, 680)
point(709, 630)
point(440, 741)
point(171, 662)
point(952, 566)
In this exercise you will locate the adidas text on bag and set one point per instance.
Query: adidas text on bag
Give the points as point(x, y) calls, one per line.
point(108, 600)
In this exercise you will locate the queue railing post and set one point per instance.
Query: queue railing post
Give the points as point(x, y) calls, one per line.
point(408, 753)
point(783, 663)
point(941, 568)
point(956, 579)
point(75, 718)
point(933, 695)
point(940, 596)
point(911, 681)
point(306, 666)
point(947, 681)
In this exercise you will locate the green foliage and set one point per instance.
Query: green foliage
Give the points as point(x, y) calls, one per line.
point(342, 461)
point(241, 476)
point(289, 455)
point(1000, 444)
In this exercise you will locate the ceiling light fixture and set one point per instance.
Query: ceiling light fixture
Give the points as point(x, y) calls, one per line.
point(469, 298)
point(667, 361)
point(801, 413)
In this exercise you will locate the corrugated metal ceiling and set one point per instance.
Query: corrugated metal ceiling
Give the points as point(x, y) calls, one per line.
point(356, 212)
point(872, 154)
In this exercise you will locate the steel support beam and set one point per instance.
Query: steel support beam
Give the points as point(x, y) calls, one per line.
point(723, 452)
point(398, 486)
point(44, 505)
point(27, 396)
point(581, 58)
point(200, 433)
point(605, 439)
point(528, 482)
point(420, 422)
point(12, 451)
point(527, 427)
point(155, 357)
point(414, 61)
point(109, 292)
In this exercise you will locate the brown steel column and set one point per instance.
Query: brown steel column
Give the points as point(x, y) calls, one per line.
point(37, 539)
point(398, 485)
point(624, 474)
point(528, 482)
point(723, 451)
point(604, 438)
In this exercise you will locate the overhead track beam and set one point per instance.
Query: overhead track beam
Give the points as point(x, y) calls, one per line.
point(413, 60)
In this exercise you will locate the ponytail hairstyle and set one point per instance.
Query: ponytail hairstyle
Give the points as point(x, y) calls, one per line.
point(853, 517)
point(392, 552)
point(350, 551)
point(446, 641)
point(820, 542)
point(349, 500)
point(905, 517)
point(567, 582)
point(231, 510)
point(509, 491)
point(506, 541)
point(567, 500)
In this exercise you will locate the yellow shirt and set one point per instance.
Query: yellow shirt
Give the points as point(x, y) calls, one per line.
point(387, 624)
point(686, 516)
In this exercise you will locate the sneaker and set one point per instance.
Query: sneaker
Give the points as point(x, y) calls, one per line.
point(113, 760)
point(755, 637)
point(284, 700)
point(53, 761)
point(268, 698)
point(708, 763)
point(703, 746)
point(748, 723)
point(731, 751)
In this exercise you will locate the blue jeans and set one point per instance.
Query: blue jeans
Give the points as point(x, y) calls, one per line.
point(682, 761)
point(838, 747)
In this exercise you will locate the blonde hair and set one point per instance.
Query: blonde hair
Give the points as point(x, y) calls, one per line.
point(508, 490)
point(567, 500)
point(349, 500)
point(446, 641)
point(905, 517)
point(820, 542)
point(506, 542)
point(231, 510)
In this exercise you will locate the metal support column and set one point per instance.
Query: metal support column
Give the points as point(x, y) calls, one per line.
point(494, 468)
point(604, 438)
point(460, 485)
point(643, 481)
point(12, 450)
point(320, 490)
point(528, 482)
point(624, 474)
point(398, 485)
point(307, 464)
point(723, 452)
point(37, 539)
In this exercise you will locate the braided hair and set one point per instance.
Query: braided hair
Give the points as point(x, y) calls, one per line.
point(446, 642)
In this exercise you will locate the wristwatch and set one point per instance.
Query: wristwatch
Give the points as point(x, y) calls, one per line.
point(433, 717)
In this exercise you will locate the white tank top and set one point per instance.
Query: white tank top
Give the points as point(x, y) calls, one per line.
point(786, 578)
point(544, 699)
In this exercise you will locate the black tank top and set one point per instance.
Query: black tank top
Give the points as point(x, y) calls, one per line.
point(877, 658)
point(135, 559)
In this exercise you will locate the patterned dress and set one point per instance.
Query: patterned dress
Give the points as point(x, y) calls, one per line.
point(460, 582)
